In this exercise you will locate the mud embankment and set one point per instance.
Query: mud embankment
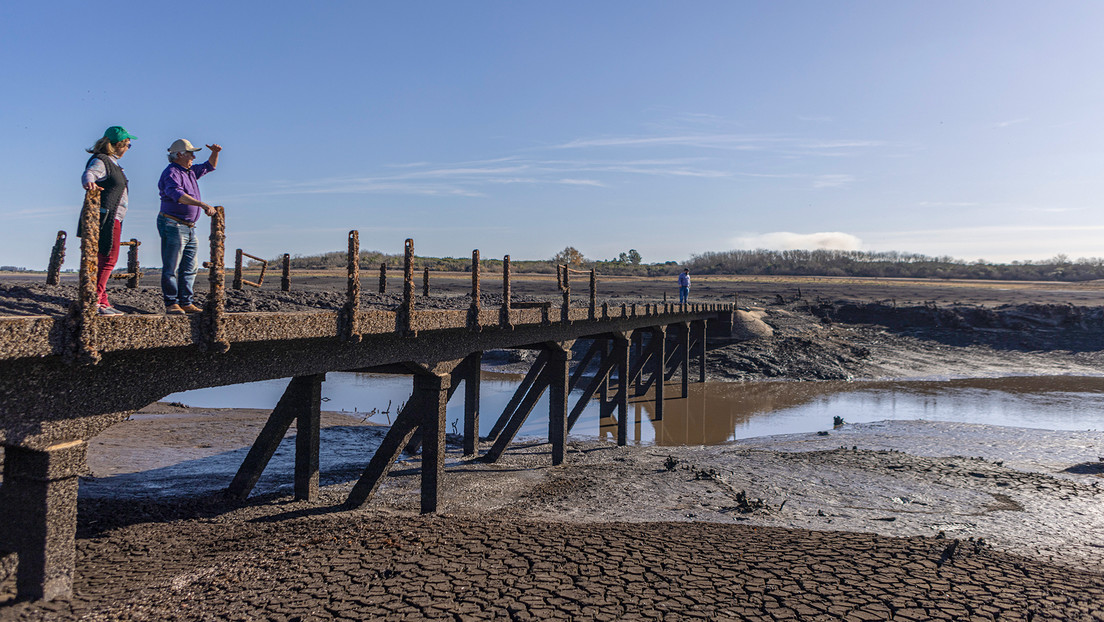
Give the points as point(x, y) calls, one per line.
point(844, 339)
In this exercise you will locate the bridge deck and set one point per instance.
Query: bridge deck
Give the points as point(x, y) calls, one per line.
point(65, 379)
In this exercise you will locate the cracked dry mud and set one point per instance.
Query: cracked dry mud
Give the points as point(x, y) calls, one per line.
point(844, 526)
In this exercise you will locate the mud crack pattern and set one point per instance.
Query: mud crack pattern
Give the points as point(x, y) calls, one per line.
point(356, 567)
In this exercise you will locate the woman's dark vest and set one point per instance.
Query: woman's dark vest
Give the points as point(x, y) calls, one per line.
point(112, 190)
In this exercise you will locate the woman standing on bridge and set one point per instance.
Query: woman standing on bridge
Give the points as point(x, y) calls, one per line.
point(103, 170)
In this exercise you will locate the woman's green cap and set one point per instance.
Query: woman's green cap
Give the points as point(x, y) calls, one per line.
point(117, 134)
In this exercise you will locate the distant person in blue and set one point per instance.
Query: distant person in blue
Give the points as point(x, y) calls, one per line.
point(103, 170)
point(684, 286)
point(180, 205)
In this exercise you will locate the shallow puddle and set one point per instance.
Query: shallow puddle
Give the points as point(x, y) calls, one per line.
point(714, 413)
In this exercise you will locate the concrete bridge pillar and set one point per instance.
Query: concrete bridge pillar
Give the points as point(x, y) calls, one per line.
point(621, 350)
point(558, 379)
point(474, 362)
point(431, 392)
point(301, 403)
point(39, 497)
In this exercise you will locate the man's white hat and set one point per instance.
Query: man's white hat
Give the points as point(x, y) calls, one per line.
point(182, 144)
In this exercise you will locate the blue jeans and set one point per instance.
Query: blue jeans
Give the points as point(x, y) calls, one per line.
point(178, 261)
point(684, 293)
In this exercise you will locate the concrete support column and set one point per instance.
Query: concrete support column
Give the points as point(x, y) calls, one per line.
point(471, 404)
point(307, 433)
point(659, 333)
point(431, 394)
point(683, 329)
point(621, 346)
point(638, 341)
point(700, 328)
point(301, 403)
point(40, 516)
point(557, 374)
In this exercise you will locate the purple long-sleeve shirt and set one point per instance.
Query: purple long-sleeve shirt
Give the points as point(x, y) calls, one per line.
point(176, 181)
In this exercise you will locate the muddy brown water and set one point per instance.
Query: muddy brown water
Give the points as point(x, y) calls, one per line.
point(717, 412)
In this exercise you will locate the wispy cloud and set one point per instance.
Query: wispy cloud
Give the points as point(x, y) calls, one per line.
point(710, 141)
point(699, 155)
point(947, 204)
point(833, 181)
point(1012, 122)
point(786, 240)
point(582, 182)
point(43, 213)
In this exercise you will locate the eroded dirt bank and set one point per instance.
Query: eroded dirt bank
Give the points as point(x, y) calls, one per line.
point(843, 339)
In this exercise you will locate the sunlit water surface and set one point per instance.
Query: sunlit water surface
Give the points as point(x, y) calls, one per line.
point(717, 412)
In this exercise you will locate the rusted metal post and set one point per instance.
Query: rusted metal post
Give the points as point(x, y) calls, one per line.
point(133, 268)
point(57, 257)
point(408, 289)
point(565, 311)
point(351, 311)
point(735, 301)
point(285, 280)
point(425, 282)
point(504, 315)
point(593, 294)
point(664, 297)
point(238, 269)
point(383, 279)
point(215, 307)
point(476, 303)
point(81, 318)
point(559, 277)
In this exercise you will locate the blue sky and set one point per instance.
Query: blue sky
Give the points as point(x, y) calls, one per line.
point(969, 129)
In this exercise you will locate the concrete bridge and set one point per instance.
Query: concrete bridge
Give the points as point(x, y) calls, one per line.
point(65, 379)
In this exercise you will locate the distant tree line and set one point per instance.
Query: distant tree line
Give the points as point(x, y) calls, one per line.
point(761, 261)
point(891, 264)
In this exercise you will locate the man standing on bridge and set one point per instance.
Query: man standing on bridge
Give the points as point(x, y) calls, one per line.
point(180, 205)
point(684, 286)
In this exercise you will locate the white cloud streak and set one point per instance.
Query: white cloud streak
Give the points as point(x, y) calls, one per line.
point(785, 240)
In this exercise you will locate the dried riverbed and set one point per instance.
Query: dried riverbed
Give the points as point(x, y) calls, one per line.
point(911, 520)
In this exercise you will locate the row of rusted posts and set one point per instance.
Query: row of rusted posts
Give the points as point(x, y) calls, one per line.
point(57, 258)
point(406, 309)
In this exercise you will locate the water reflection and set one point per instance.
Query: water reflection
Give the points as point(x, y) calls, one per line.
point(717, 412)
